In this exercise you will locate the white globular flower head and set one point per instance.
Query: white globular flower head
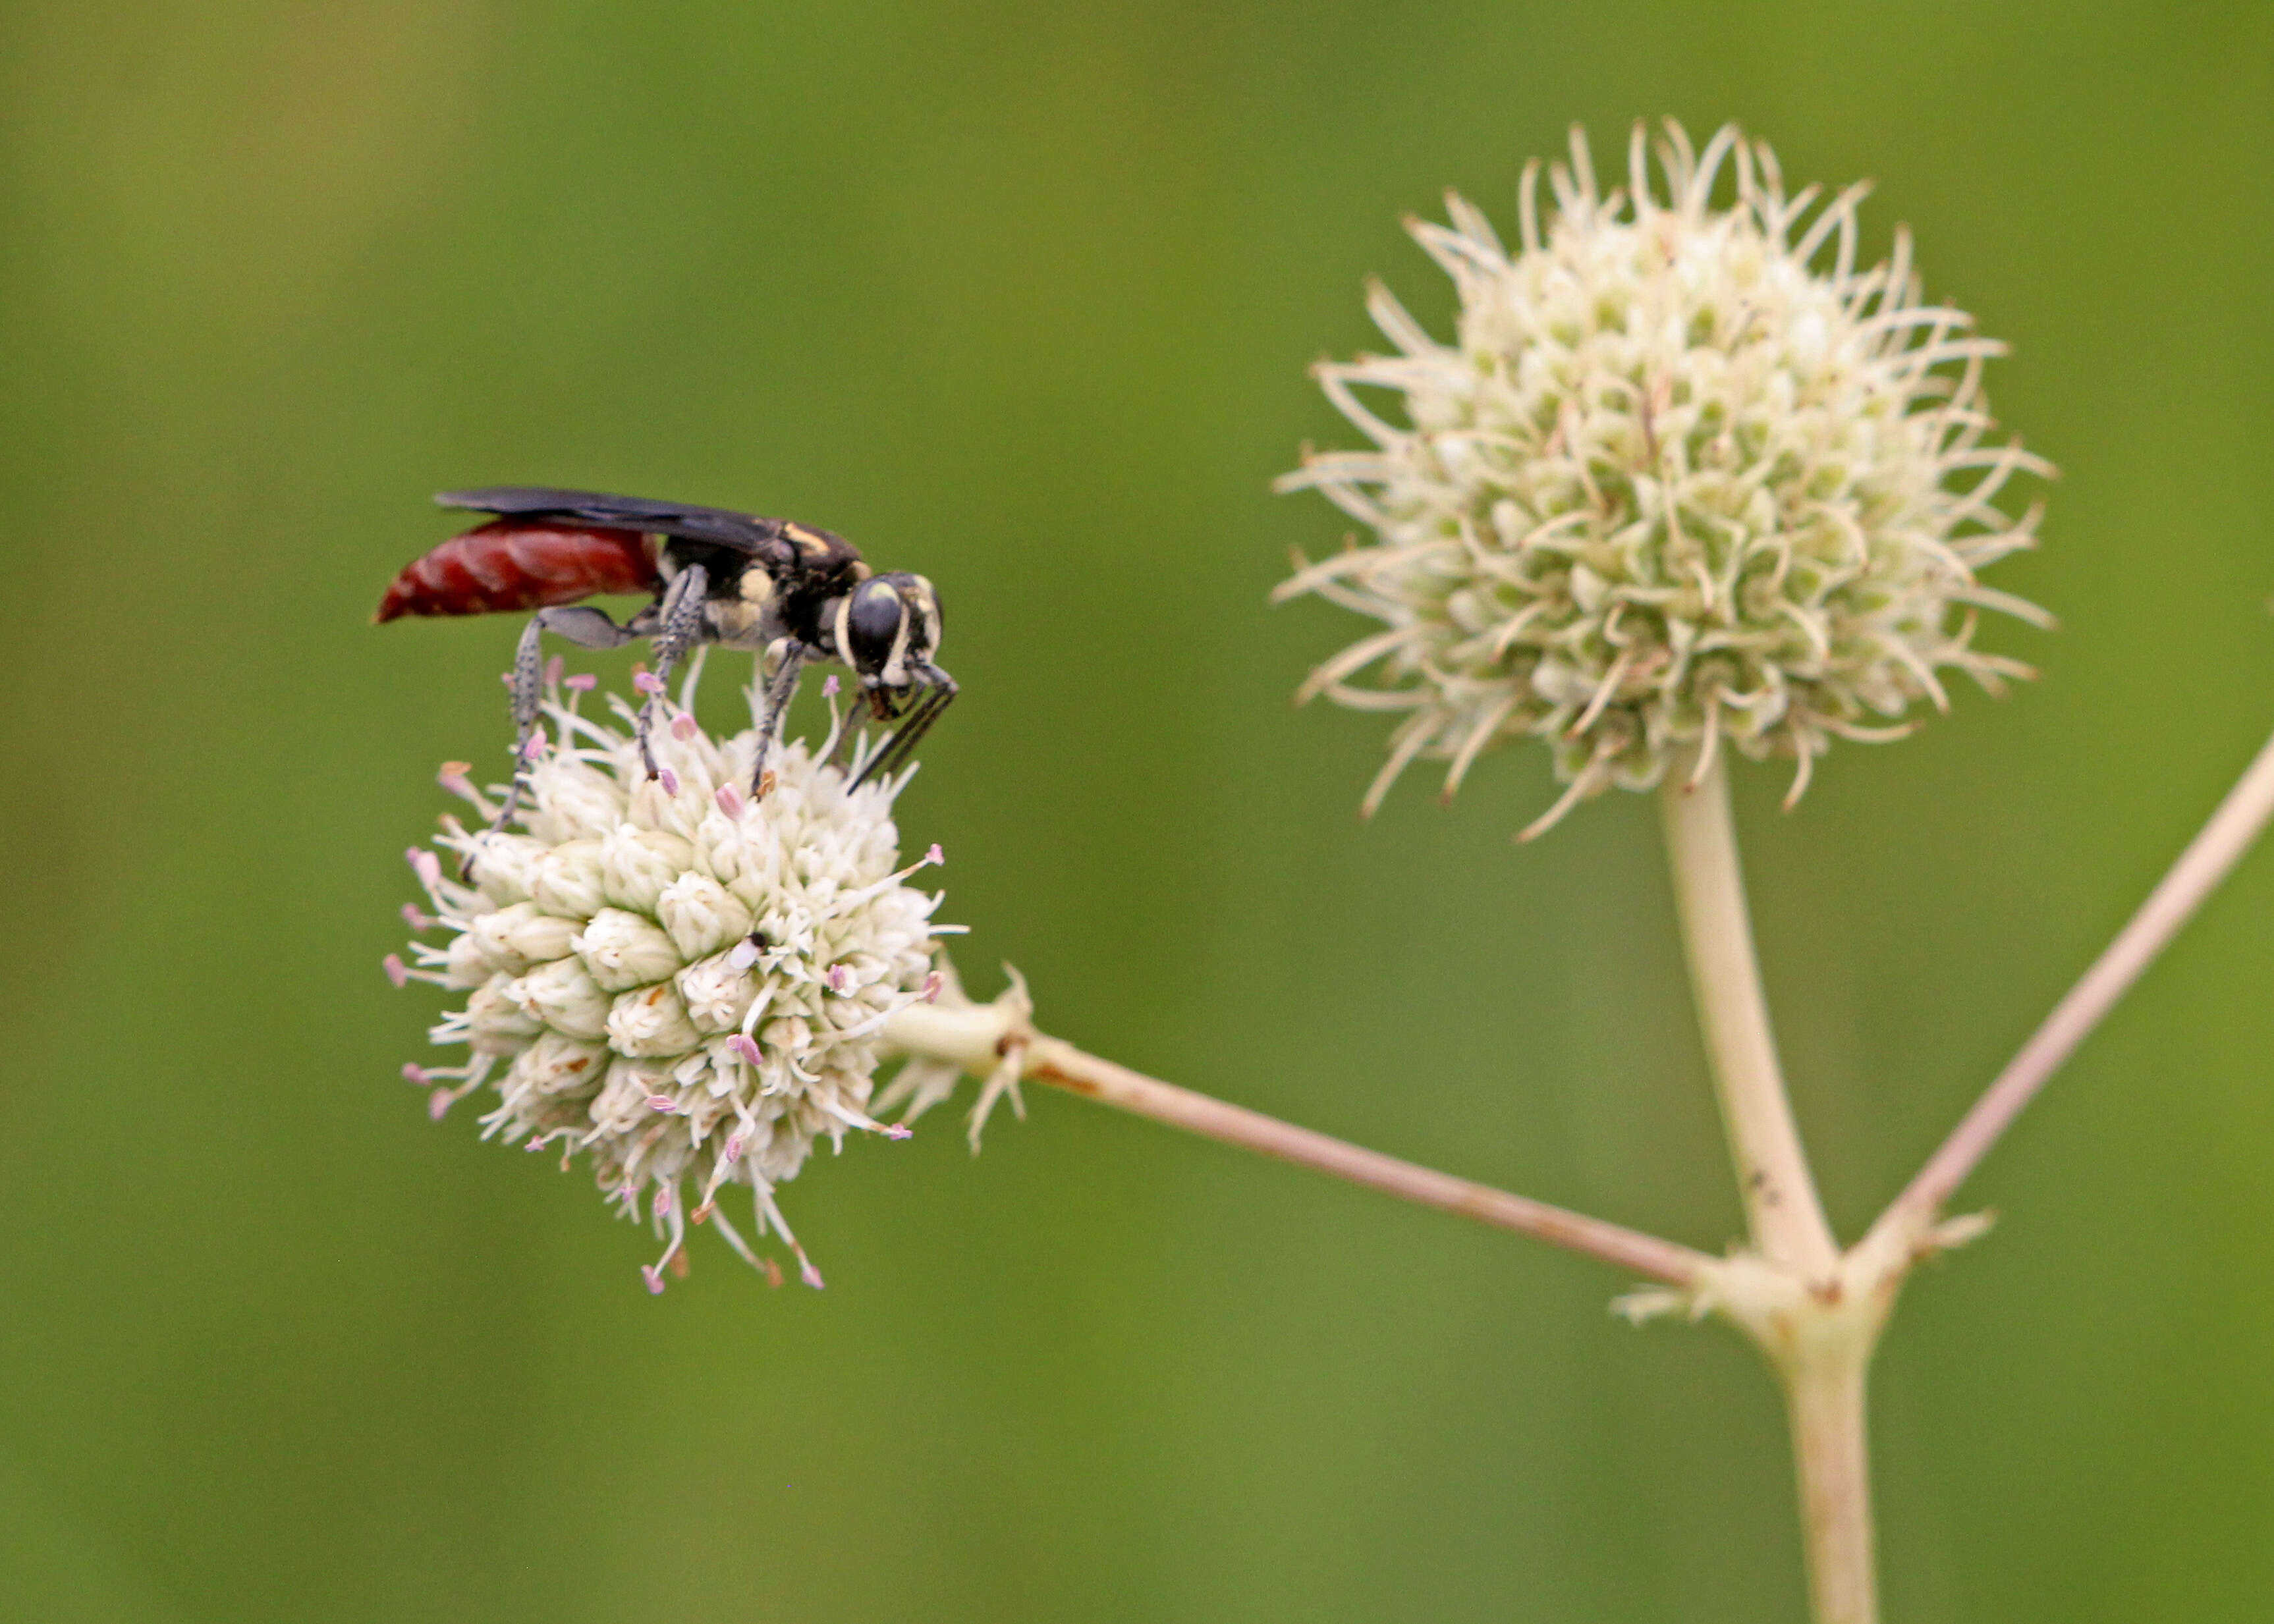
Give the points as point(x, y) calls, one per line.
point(1686, 477)
point(684, 984)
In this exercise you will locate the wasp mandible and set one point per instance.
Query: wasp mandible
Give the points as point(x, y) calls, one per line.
point(718, 576)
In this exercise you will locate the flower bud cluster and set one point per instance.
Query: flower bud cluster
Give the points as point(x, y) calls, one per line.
point(682, 983)
point(1686, 475)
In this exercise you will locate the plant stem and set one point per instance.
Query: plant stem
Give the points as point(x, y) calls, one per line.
point(1051, 1060)
point(978, 1037)
point(1830, 1453)
point(2207, 861)
point(1786, 1218)
point(1819, 1343)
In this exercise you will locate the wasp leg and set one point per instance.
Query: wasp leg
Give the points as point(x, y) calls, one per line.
point(915, 721)
point(679, 626)
point(780, 688)
point(587, 629)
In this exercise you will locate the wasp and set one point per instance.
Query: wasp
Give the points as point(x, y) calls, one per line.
point(772, 586)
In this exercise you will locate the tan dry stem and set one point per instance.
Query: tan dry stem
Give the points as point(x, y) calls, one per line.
point(1788, 1226)
point(977, 1037)
point(1815, 1313)
point(1832, 1457)
point(2238, 822)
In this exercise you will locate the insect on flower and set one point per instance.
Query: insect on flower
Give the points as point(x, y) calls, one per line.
point(772, 586)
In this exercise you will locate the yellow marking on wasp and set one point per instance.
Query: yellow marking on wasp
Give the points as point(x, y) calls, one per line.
point(736, 621)
point(758, 586)
point(808, 543)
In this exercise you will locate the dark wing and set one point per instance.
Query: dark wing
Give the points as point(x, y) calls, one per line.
point(721, 527)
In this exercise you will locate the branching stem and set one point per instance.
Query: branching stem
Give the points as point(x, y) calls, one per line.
point(1819, 1339)
point(1815, 1312)
point(1051, 1060)
point(975, 1036)
point(2210, 855)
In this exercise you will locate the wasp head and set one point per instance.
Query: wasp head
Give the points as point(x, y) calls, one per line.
point(887, 630)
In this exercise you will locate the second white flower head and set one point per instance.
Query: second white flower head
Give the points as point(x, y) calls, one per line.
point(1670, 487)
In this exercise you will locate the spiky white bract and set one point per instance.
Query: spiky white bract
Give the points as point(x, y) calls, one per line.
point(1685, 477)
point(683, 984)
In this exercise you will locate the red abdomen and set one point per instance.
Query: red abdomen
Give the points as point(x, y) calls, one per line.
point(516, 564)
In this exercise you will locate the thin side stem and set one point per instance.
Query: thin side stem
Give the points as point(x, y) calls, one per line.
point(2207, 861)
point(1831, 1455)
point(1053, 1061)
point(1786, 1218)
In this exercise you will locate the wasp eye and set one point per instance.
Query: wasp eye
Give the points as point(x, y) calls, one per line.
point(872, 626)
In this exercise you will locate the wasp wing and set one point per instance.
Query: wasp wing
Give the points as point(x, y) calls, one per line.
point(720, 527)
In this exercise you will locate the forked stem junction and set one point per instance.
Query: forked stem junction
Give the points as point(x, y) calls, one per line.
point(1815, 1310)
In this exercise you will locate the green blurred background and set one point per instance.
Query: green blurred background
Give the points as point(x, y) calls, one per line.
point(1022, 296)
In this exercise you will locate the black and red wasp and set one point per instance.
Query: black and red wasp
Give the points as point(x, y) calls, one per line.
point(718, 576)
